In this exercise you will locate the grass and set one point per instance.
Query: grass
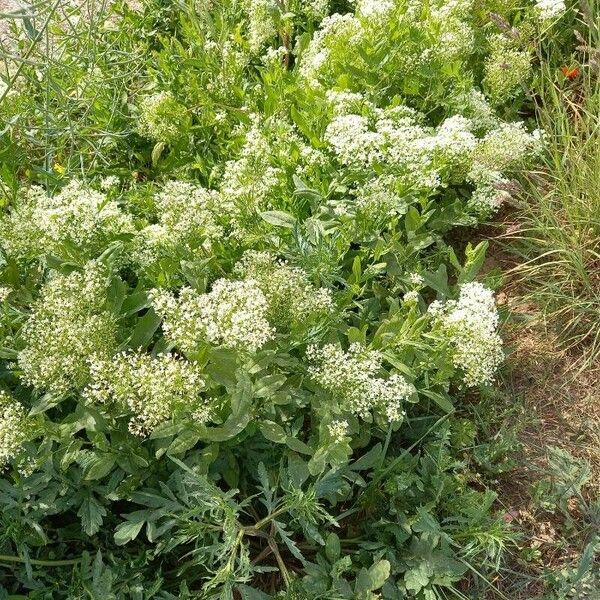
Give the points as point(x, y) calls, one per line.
point(557, 236)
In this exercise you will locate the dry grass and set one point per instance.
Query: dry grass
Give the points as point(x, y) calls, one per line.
point(561, 408)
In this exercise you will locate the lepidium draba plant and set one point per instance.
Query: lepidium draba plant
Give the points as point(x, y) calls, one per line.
point(235, 364)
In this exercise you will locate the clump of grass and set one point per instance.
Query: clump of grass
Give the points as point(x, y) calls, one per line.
point(558, 238)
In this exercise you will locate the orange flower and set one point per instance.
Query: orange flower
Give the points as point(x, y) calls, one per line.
point(569, 72)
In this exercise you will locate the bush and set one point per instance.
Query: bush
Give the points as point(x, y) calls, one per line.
point(236, 338)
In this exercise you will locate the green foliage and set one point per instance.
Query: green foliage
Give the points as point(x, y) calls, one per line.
point(232, 309)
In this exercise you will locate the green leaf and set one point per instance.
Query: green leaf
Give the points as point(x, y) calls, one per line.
point(91, 513)
point(267, 386)
point(144, 330)
point(374, 578)
point(184, 442)
point(416, 579)
point(279, 218)
point(442, 400)
point(332, 547)
point(298, 446)
point(127, 531)
point(157, 152)
point(273, 432)
point(99, 467)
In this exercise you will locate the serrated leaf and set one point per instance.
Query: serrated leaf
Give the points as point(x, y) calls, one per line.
point(91, 513)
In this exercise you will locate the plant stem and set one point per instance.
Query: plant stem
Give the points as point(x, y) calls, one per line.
point(40, 563)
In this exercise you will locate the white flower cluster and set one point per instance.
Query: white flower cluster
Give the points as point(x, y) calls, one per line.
point(14, 427)
point(470, 323)
point(454, 141)
point(249, 181)
point(67, 326)
point(233, 315)
point(474, 105)
point(415, 155)
point(336, 32)
point(453, 37)
point(153, 389)
point(352, 377)
point(374, 9)
point(498, 152)
point(4, 292)
point(291, 297)
point(316, 9)
point(76, 216)
point(379, 198)
point(261, 25)
point(506, 69)
point(187, 219)
point(338, 430)
point(162, 118)
point(550, 9)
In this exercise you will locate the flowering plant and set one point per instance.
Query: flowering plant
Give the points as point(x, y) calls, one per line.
point(246, 363)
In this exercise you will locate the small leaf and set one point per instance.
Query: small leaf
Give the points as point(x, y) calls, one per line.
point(273, 432)
point(128, 531)
point(279, 218)
point(144, 330)
point(332, 547)
point(99, 467)
point(91, 513)
point(157, 152)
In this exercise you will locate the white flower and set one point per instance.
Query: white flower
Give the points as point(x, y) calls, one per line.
point(416, 279)
point(109, 182)
point(188, 217)
point(4, 292)
point(76, 216)
point(14, 428)
point(352, 377)
point(233, 315)
point(161, 118)
point(470, 323)
point(68, 325)
point(550, 9)
point(411, 297)
point(338, 430)
point(292, 298)
point(153, 389)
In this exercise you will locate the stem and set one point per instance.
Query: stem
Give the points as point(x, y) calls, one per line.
point(40, 563)
point(268, 519)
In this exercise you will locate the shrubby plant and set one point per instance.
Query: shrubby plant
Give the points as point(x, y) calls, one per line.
point(238, 322)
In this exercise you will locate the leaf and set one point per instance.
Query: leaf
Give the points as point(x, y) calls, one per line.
point(157, 152)
point(368, 460)
point(279, 218)
point(249, 593)
point(91, 513)
point(99, 467)
point(144, 330)
point(268, 385)
point(273, 432)
point(332, 547)
point(442, 400)
point(379, 573)
point(416, 579)
point(475, 259)
point(298, 446)
point(128, 531)
point(184, 441)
